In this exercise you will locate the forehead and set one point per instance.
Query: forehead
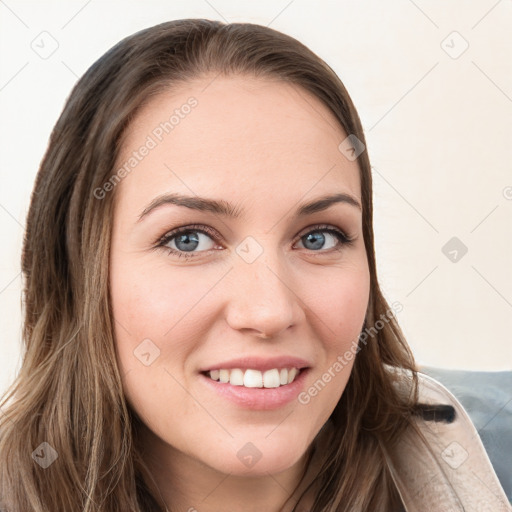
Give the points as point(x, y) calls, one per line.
point(238, 134)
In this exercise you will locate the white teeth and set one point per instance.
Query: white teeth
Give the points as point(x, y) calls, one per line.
point(271, 379)
point(237, 377)
point(291, 375)
point(254, 378)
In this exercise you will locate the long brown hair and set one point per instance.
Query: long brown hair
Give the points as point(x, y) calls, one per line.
point(68, 392)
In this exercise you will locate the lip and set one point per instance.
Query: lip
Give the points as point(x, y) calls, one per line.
point(259, 363)
point(263, 399)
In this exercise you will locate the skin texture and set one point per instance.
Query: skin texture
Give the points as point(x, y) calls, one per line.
point(266, 147)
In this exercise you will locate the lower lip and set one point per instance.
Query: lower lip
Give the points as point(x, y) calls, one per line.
point(258, 398)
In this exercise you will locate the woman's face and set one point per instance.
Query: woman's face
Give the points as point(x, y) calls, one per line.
point(249, 154)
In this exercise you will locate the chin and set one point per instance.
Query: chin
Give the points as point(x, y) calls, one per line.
point(257, 458)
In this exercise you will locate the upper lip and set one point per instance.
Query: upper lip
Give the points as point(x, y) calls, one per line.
point(259, 363)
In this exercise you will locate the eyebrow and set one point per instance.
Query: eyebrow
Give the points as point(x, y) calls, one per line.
point(226, 209)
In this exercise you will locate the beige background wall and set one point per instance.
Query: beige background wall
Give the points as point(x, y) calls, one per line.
point(433, 85)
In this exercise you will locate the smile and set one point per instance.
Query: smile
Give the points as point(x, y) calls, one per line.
point(250, 378)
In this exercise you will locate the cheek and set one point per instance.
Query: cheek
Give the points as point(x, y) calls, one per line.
point(341, 303)
point(157, 318)
point(155, 304)
point(339, 306)
point(338, 300)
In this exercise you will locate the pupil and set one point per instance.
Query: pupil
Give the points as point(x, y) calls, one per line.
point(187, 240)
point(317, 238)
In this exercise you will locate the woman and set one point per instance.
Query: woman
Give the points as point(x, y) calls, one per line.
point(204, 326)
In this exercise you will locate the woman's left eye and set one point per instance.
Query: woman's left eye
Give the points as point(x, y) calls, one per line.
point(316, 239)
point(184, 241)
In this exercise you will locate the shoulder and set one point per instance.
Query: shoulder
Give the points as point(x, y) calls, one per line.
point(443, 461)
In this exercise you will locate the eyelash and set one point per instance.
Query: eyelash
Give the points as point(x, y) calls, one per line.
point(343, 239)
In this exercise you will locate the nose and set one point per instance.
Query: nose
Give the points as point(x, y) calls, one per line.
point(262, 299)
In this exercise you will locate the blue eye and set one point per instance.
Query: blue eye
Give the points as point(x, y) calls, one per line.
point(184, 241)
point(188, 240)
point(318, 239)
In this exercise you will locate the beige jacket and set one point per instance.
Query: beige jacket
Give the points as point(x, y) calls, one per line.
point(452, 472)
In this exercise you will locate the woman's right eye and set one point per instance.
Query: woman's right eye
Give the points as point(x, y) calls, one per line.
point(184, 241)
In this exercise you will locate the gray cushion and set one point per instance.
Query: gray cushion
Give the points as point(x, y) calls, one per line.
point(487, 398)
